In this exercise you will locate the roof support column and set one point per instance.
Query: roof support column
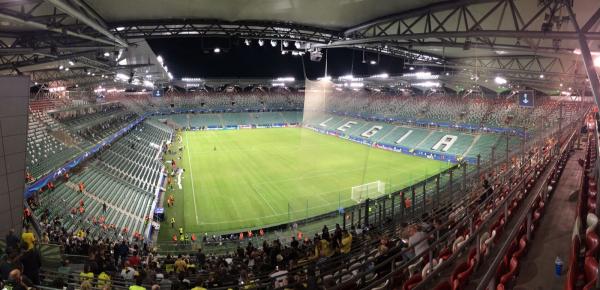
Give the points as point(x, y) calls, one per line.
point(587, 58)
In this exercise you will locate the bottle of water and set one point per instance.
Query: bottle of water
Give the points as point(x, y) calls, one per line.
point(558, 265)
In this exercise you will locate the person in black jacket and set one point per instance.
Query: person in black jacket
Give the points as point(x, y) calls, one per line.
point(32, 262)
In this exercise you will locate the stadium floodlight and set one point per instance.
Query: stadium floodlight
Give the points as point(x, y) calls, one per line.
point(283, 52)
point(107, 54)
point(71, 63)
point(325, 78)
point(170, 76)
point(411, 68)
point(217, 50)
point(191, 80)
point(286, 79)
point(89, 73)
point(447, 73)
point(148, 84)
point(285, 43)
point(120, 28)
point(261, 42)
point(278, 84)
point(373, 62)
point(427, 84)
point(247, 42)
point(381, 76)
point(561, 85)
point(61, 67)
point(273, 42)
point(297, 44)
point(159, 59)
point(346, 77)
point(66, 69)
point(357, 85)
point(500, 80)
point(102, 76)
point(541, 76)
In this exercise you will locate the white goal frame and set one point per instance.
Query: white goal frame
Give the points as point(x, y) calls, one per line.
point(368, 190)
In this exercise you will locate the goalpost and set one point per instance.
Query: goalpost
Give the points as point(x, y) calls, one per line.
point(368, 190)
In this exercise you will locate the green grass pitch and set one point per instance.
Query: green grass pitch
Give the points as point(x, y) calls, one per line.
point(263, 177)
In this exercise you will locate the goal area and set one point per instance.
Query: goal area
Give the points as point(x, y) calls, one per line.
point(368, 190)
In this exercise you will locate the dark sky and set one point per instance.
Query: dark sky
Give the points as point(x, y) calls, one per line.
point(193, 57)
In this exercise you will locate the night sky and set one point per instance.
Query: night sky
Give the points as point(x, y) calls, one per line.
point(194, 57)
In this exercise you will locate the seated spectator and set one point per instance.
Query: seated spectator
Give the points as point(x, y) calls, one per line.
point(128, 273)
point(15, 281)
point(103, 280)
point(86, 274)
point(86, 285)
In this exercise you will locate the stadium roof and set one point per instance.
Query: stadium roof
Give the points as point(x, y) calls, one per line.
point(531, 42)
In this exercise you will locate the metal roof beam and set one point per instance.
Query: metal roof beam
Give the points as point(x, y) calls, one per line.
point(67, 8)
point(42, 26)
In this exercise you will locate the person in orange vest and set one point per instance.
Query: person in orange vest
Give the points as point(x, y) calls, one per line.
point(193, 237)
point(66, 176)
point(241, 236)
point(81, 203)
point(407, 203)
point(125, 230)
point(81, 210)
point(81, 186)
point(261, 232)
point(174, 238)
point(299, 236)
point(250, 234)
point(51, 186)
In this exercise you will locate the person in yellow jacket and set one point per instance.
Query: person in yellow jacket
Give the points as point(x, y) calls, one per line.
point(346, 242)
point(103, 280)
point(86, 274)
point(28, 237)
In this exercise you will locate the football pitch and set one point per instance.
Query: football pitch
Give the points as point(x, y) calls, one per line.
point(249, 179)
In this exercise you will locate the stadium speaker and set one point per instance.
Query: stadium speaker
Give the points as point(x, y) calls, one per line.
point(233, 103)
point(172, 105)
point(316, 55)
point(201, 104)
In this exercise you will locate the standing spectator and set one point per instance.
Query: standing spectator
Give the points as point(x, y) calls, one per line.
point(12, 241)
point(325, 233)
point(123, 251)
point(346, 243)
point(180, 264)
point(200, 258)
point(32, 262)
point(134, 260)
point(418, 239)
point(28, 237)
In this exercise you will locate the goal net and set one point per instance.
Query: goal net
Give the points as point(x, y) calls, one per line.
point(368, 190)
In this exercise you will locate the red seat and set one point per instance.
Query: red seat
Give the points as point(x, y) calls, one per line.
point(412, 282)
point(591, 243)
point(461, 275)
point(512, 271)
point(445, 253)
point(522, 247)
point(590, 268)
point(443, 286)
point(590, 285)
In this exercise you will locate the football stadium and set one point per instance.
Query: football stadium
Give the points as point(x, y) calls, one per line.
point(282, 144)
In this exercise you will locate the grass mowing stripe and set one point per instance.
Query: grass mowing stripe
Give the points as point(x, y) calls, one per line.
point(187, 145)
